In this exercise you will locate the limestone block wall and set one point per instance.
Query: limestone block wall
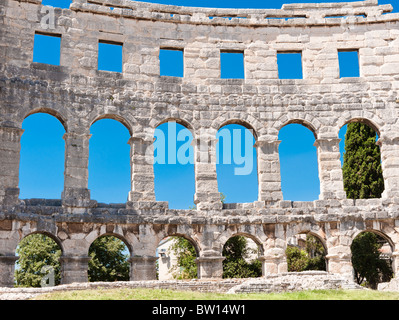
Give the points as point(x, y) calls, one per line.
point(78, 95)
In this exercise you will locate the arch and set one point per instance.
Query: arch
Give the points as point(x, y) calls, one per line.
point(60, 117)
point(47, 234)
point(173, 163)
point(116, 265)
point(109, 160)
point(240, 122)
point(118, 236)
point(116, 117)
point(45, 253)
point(169, 251)
point(302, 122)
point(366, 117)
point(180, 121)
point(301, 242)
point(247, 121)
point(42, 155)
point(372, 266)
point(252, 237)
point(237, 162)
point(377, 232)
point(368, 122)
point(240, 261)
point(299, 163)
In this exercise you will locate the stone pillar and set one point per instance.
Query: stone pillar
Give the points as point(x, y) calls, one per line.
point(207, 195)
point(143, 268)
point(340, 264)
point(210, 267)
point(7, 266)
point(269, 176)
point(76, 195)
point(142, 172)
point(330, 170)
point(390, 166)
point(10, 147)
point(274, 262)
point(74, 269)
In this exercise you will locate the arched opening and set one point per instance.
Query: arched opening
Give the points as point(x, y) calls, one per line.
point(109, 260)
point(305, 251)
point(236, 167)
point(109, 161)
point(41, 171)
point(361, 160)
point(38, 264)
point(241, 255)
point(372, 259)
point(298, 163)
point(176, 259)
point(174, 175)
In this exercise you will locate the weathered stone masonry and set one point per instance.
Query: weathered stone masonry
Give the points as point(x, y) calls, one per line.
point(78, 94)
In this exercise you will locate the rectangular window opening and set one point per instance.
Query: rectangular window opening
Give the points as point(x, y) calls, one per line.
point(171, 62)
point(47, 48)
point(289, 65)
point(232, 65)
point(348, 63)
point(63, 4)
point(110, 56)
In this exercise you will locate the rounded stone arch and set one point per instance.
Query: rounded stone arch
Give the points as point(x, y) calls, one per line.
point(182, 231)
point(252, 234)
point(378, 232)
point(193, 242)
point(255, 239)
point(45, 233)
point(249, 123)
point(62, 118)
point(313, 125)
point(112, 234)
point(365, 117)
point(180, 121)
point(116, 117)
point(311, 229)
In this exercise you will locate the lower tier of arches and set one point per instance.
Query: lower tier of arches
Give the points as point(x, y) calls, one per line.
point(334, 225)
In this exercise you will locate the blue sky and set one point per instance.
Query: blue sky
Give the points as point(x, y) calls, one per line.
point(42, 145)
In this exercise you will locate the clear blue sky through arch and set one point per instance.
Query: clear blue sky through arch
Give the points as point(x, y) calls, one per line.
point(173, 183)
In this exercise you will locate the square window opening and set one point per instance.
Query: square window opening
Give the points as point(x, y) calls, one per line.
point(348, 63)
point(47, 49)
point(171, 62)
point(232, 65)
point(110, 56)
point(289, 65)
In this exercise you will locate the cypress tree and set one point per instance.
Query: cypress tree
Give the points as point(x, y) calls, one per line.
point(362, 170)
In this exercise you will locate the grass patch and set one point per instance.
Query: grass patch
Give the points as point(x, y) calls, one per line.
point(162, 294)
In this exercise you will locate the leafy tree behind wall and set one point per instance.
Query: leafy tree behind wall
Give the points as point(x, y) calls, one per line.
point(108, 260)
point(236, 264)
point(369, 268)
point(36, 253)
point(362, 173)
point(186, 267)
point(362, 170)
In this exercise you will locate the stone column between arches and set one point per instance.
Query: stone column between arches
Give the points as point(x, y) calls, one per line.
point(207, 195)
point(269, 175)
point(330, 170)
point(390, 166)
point(76, 195)
point(10, 147)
